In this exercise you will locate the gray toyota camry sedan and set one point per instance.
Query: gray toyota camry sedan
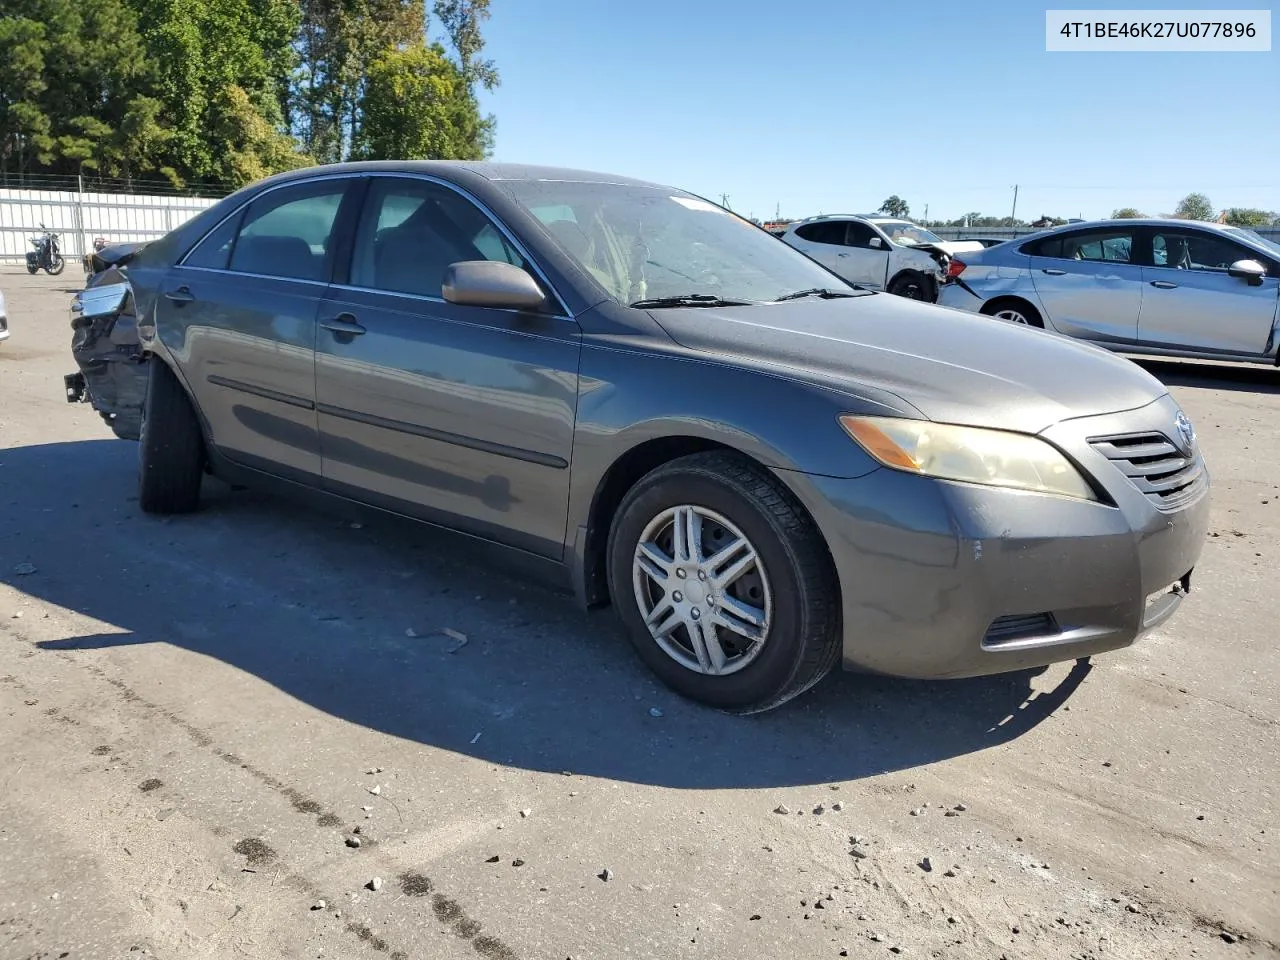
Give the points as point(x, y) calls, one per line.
point(764, 470)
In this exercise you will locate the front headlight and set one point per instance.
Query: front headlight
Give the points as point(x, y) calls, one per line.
point(970, 454)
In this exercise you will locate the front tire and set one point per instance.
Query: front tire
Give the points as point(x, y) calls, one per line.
point(724, 584)
point(912, 285)
point(56, 265)
point(171, 452)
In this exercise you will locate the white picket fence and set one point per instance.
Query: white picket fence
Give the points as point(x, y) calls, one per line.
point(78, 218)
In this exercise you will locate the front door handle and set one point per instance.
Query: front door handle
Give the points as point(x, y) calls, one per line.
point(1054, 273)
point(1164, 284)
point(182, 295)
point(344, 326)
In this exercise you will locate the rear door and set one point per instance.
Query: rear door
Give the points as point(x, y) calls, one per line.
point(1090, 282)
point(239, 312)
point(823, 240)
point(460, 415)
point(1191, 302)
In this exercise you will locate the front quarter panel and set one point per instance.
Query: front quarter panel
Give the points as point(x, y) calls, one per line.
point(631, 394)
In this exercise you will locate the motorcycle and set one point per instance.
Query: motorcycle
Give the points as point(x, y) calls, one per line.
point(46, 254)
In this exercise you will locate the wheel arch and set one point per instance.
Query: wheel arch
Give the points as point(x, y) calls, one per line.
point(590, 554)
point(930, 282)
point(1009, 300)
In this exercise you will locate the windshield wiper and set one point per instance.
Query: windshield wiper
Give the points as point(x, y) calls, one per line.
point(691, 300)
point(824, 292)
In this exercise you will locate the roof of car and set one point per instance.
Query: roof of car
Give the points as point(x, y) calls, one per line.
point(482, 168)
point(1143, 222)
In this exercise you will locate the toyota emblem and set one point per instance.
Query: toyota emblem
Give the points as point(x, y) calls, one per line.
point(1186, 432)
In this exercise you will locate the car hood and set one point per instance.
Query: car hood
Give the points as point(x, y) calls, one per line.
point(951, 365)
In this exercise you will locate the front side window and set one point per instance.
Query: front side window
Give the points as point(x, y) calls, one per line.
point(411, 231)
point(642, 242)
point(860, 235)
point(288, 232)
point(1192, 250)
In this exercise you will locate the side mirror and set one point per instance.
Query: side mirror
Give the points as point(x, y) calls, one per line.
point(491, 283)
point(874, 243)
point(1249, 270)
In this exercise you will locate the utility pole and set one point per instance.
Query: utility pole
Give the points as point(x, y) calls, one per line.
point(724, 201)
point(1014, 214)
point(777, 211)
point(926, 213)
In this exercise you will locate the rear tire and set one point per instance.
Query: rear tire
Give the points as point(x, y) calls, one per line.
point(790, 582)
point(171, 454)
point(1013, 310)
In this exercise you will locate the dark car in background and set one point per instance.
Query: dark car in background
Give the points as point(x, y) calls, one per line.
point(763, 469)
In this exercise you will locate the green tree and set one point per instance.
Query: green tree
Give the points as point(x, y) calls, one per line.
point(1194, 206)
point(339, 41)
point(1249, 217)
point(202, 48)
point(417, 105)
point(895, 206)
point(253, 147)
point(461, 21)
point(1127, 213)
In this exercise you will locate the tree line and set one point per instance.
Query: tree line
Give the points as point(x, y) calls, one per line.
point(225, 92)
point(1194, 206)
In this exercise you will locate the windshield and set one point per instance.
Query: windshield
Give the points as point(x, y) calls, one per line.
point(645, 243)
point(1255, 238)
point(908, 234)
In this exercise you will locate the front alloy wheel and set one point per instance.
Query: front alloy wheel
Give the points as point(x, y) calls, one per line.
point(703, 590)
point(723, 583)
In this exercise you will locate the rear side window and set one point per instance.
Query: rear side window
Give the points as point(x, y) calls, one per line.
point(1113, 246)
point(825, 231)
point(288, 233)
point(214, 250)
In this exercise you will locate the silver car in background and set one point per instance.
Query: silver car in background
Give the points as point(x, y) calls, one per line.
point(1157, 286)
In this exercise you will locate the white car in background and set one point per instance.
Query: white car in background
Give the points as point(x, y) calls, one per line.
point(4, 319)
point(879, 253)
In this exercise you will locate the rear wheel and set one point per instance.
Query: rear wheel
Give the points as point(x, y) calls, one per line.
point(724, 584)
point(170, 448)
point(1014, 311)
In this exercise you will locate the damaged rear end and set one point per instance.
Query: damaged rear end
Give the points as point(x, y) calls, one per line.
point(105, 345)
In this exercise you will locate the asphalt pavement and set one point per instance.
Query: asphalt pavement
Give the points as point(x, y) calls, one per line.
point(261, 731)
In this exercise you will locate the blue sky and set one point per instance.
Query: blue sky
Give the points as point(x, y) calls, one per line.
point(834, 105)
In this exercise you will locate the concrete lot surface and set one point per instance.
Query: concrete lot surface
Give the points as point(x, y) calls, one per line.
point(190, 711)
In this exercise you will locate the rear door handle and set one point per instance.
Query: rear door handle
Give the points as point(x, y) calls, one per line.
point(1164, 284)
point(841, 254)
point(1054, 273)
point(182, 295)
point(344, 326)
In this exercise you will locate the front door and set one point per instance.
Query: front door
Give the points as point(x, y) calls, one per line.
point(460, 415)
point(1090, 283)
point(1191, 302)
point(867, 256)
point(242, 306)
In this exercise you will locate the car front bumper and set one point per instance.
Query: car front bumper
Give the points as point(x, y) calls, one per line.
point(944, 579)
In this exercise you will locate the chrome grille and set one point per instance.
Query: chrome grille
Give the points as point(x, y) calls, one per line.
point(1154, 465)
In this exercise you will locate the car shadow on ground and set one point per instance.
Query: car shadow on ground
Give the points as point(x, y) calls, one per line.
point(1213, 376)
point(318, 610)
